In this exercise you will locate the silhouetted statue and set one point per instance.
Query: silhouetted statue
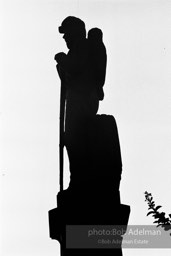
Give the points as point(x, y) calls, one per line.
point(82, 92)
point(92, 143)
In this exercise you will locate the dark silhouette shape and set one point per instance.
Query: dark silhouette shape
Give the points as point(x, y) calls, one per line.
point(81, 91)
point(161, 220)
point(98, 59)
point(91, 140)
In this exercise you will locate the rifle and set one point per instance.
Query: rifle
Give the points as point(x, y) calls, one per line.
point(61, 126)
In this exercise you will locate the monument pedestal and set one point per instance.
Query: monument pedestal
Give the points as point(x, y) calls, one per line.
point(82, 226)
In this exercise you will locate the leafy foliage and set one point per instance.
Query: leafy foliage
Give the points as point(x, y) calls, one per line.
point(161, 220)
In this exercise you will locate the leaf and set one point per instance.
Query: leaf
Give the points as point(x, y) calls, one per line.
point(156, 215)
point(159, 206)
point(167, 219)
point(167, 227)
point(162, 214)
point(157, 221)
point(150, 213)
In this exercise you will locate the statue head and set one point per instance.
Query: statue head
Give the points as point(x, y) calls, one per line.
point(95, 34)
point(73, 29)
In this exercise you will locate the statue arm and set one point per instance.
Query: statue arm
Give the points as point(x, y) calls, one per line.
point(73, 63)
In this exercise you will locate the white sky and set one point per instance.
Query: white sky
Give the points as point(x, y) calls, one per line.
point(137, 35)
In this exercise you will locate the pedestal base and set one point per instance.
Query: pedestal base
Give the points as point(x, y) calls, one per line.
point(88, 215)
